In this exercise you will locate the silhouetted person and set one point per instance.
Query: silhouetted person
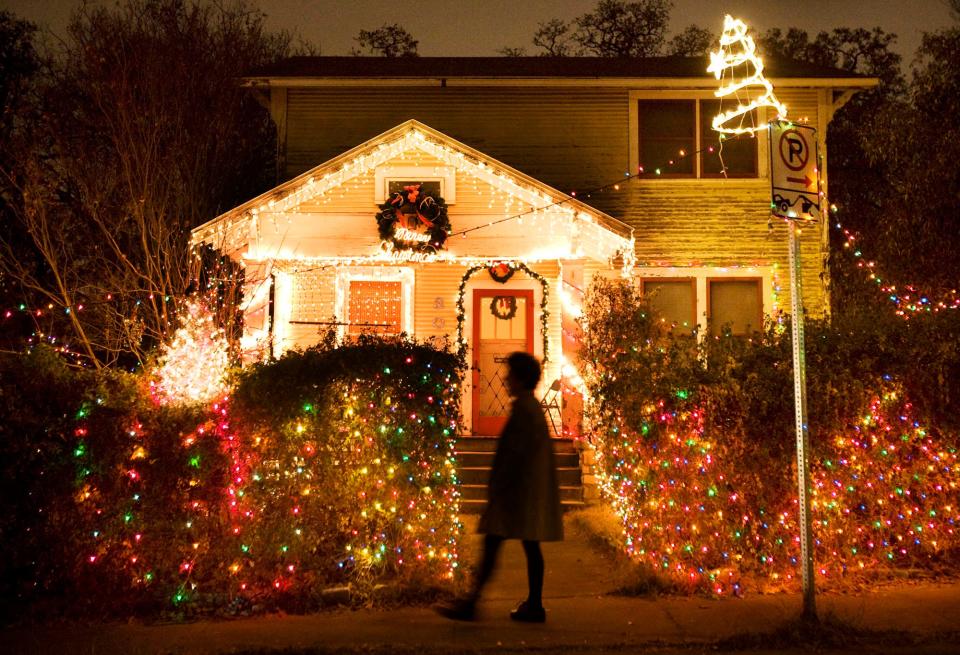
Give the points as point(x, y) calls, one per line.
point(523, 499)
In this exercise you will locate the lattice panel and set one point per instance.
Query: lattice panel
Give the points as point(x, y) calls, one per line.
point(313, 297)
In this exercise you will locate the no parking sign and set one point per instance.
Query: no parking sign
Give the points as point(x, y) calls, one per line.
point(794, 172)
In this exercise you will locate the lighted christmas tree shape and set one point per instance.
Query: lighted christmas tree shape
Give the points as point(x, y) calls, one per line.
point(193, 366)
point(740, 71)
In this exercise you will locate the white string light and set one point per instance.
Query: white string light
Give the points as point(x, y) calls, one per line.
point(729, 58)
point(235, 230)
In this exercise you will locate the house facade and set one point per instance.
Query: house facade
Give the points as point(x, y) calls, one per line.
point(475, 198)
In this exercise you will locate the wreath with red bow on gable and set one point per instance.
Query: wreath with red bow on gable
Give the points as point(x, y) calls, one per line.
point(418, 213)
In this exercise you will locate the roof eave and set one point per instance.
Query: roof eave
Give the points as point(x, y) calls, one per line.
point(624, 82)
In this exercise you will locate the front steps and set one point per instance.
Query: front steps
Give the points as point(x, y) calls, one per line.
point(475, 457)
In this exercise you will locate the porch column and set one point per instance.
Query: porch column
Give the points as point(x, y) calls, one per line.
point(257, 293)
point(571, 286)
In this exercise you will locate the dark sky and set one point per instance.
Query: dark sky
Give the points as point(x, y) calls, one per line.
point(481, 27)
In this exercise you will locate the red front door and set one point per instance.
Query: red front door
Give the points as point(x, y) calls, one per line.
point(502, 324)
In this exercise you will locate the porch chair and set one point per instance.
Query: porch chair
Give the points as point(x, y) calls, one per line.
point(550, 403)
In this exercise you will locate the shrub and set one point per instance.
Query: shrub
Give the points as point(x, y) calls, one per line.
point(696, 445)
point(329, 466)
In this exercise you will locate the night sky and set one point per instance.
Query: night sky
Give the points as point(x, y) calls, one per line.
point(481, 27)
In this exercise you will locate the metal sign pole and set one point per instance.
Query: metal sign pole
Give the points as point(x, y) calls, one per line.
point(803, 441)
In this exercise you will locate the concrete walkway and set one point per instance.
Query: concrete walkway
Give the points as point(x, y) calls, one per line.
point(582, 617)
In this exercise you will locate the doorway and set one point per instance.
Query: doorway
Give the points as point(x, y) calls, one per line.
point(502, 324)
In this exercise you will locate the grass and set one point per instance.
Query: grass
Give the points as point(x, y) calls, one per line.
point(603, 532)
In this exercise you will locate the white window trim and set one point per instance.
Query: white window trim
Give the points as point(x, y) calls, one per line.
point(702, 273)
point(633, 134)
point(446, 175)
point(348, 274)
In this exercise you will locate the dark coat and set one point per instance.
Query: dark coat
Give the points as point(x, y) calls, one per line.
point(523, 495)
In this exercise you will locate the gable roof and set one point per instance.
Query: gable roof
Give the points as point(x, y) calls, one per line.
point(235, 228)
point(586, 69)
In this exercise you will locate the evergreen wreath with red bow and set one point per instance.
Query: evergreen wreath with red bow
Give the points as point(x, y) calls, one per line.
point(418, 212)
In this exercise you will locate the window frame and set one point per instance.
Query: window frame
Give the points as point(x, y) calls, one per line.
point(709, 300)
point(695, 324)
point(694, 172)
point(445, 175)
point(347, 274)
point(773, 296)
point(633, 135)
point(755, 140)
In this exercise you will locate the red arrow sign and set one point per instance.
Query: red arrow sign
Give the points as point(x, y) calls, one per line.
point(805, 180)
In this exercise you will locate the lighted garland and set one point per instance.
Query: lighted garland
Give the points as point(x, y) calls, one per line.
point(403, 215)
point(516, 266)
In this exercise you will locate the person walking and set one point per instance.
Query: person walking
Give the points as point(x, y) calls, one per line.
point(523, 497)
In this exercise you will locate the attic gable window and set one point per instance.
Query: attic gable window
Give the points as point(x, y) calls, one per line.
point(667, 128)
point(437, 180)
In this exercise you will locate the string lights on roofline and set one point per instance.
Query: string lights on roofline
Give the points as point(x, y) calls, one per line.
point(225, 231)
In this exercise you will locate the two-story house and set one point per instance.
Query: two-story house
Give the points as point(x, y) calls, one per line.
point(475, 199)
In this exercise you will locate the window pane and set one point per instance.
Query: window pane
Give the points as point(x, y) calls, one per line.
point(735, 305)
point(665, 127)
point(431, 187)
point(738, 154)
point(674, 301)
point(375, 307)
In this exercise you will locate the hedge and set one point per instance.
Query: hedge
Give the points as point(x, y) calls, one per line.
point(332, 466)
point(697, 453)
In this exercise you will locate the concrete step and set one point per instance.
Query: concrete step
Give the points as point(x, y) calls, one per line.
point(478, 493)
point(470, 444)
point(485, 460)
point(472, 506)
point(566, 476)
point(475, 457)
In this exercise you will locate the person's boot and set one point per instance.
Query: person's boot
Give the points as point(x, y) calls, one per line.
point(460, 609)
point(528, 614)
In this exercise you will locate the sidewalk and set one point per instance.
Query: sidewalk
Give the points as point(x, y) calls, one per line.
point(581, 617)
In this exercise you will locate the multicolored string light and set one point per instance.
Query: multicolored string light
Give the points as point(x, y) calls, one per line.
point(908, 301)
point(884, 495)
point(358, 486)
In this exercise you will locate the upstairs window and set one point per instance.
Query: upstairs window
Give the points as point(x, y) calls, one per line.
point(667, 128)
point(738, 154)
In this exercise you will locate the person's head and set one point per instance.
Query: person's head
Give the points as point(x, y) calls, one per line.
point(523, 372)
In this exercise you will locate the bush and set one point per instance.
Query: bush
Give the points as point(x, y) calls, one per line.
point(696, 444)
point(329, 466)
